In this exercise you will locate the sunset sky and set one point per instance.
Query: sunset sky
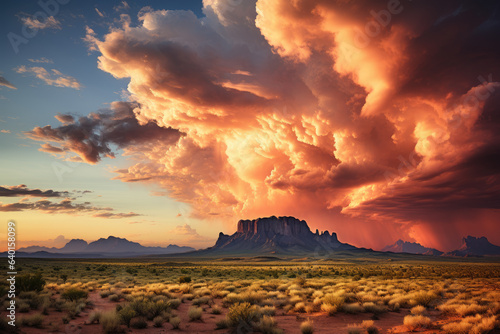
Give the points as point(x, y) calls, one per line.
point(168, 121)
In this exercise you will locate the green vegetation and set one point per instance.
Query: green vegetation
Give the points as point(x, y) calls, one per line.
point(256, 295)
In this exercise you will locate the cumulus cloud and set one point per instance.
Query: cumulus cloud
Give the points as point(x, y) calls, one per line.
point(375, 119)
point(4, 82)
point(52, 78)
point(34, 23)
point(91, 137)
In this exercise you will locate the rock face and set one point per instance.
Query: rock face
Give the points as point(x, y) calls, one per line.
point(472, 246)
point(410, 247)
point(277, 235)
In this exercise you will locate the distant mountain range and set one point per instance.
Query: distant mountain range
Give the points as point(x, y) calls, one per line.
point(110, 247)
point(471, 246)
point(271, 237)
point(410, 247)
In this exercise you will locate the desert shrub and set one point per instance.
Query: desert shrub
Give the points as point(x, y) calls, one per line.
point(241, 315)
point(35, 320)
point(23, 307)
point(353, 329)
point(329, 309)
point(110, 322)
point(174, 303)
point(334, 300)
point(417, 310)
point(369, 326)
point(413, 322)
point(267, 310)
point(114, 298)
point(307, 327)
point(158, 321)
point(267, 325)
point(185, 279)
point(74, 294)
point(29, 282)
point(138, 323)
point(352, 308)
point(216, 310)
point(126, 314)
point(222, 324)
point(175, 322)
point(473, 325)
point(195, 313)
point(201, 301)
point(94, 316)
point(374, 308)
point(424, 298)
point(300, 307)
point(105, 293)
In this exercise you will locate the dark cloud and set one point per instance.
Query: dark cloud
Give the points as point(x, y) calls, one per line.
point(91, 137)
point(6, 83)
point(23, 190)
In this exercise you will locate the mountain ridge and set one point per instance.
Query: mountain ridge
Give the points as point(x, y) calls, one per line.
point(402, 246)
point(111, 245)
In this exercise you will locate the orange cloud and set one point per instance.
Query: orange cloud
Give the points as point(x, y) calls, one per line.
point(373, 119)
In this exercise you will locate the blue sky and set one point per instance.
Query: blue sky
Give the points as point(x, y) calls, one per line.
point(35, 103)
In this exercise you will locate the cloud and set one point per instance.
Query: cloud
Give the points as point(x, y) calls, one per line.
point(33, 23)
point(101, 14)
point(23, 190)
point(374, 126)
point(52, 78)
point(6, 83)
point(91, 137)
point(58, 242)
point(112, 215)
point(123, 6)
point(66, 205)
point(42, 60)
point(185, 234)
point(5, 131)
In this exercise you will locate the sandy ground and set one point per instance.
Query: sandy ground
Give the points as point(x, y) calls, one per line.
point(387, 323)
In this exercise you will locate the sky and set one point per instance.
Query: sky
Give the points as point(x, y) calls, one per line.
point(168, 121)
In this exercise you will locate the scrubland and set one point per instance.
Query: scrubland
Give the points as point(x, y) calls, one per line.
point(93, 296)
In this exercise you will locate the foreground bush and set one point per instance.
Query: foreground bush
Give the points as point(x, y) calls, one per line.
point(74, 294)
point(138, 323)
point(241, 314)
point(110, 322)
point(29, 282)
point(175, 322)
point(35, 320)
point(195, 313)
point(413, 322)
point(307, 327)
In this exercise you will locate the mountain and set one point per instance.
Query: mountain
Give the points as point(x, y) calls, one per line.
point(110, 247)
point(410, 247)
point(472, 246)
point(277, 235)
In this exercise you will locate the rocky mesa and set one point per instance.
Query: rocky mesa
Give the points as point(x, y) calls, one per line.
point(277, 235)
